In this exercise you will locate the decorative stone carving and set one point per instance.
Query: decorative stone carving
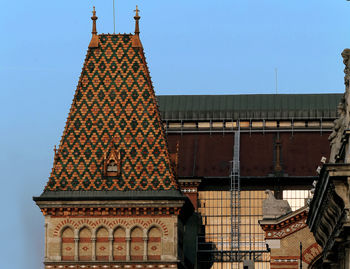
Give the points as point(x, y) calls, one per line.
point(342, 123)
point(335, 138)
point(273, 208)
point(346, 60)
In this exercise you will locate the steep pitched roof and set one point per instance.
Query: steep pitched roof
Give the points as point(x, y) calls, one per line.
point(114, 113)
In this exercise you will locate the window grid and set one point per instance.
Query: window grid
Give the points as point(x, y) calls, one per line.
point(295, 198)
point(215, 210)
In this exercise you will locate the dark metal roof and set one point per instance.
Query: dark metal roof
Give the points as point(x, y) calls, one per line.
point(205, 155)
point(255, 106)
point(109, 195)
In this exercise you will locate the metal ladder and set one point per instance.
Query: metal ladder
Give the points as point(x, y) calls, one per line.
point(235, 188)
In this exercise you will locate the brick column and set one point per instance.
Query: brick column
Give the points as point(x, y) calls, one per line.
point(76, 249)
point(128, 241)
point(45, 258)
point(61, 249)
point(110, 238)
point(145, 239)
point(93, 244)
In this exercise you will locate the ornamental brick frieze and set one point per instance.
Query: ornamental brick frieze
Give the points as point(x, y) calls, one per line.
point(285, 228)
point(189, 184)
point(311, 253)
point(110, 211)
point(284, 261)
point(110, 223)
point(272, 234)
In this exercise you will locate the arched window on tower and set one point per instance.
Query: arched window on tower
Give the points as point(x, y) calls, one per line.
point(154, 244)
point(67, 247)
point(119, 244)
point(85, 245)
point(136, 249)
point(102, 245)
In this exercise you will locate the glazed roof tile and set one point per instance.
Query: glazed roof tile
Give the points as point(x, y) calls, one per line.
point(114, 111)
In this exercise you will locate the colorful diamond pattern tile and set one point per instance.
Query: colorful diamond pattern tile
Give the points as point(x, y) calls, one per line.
point(114, 107)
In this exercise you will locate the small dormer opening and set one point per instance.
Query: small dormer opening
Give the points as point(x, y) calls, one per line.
point(112, 164)
point(112, 167)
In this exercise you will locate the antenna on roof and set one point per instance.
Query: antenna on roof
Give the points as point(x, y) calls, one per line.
point(276, 80)
point(113, 18)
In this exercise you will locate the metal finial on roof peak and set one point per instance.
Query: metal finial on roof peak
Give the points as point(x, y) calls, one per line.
point(137, 18)
point(94, 39)
point(94, 18)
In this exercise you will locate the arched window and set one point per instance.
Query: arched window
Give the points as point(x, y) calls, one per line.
point(67, 248)
point(102, 245)
point(136, 248)
point(85, 245)
point(154, 244)
point(119, 244)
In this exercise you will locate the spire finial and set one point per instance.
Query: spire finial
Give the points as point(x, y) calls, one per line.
point(137, 18)
point(94, 39)
point(94, 18)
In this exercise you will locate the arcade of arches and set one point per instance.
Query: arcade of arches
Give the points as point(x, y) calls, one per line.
point(106, 244)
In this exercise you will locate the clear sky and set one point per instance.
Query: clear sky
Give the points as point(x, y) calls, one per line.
point(192, 47)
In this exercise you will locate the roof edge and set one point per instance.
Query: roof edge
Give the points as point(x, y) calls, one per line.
point(109, 195)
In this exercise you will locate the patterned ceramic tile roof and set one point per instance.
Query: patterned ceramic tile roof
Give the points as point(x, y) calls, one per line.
point(114, 112)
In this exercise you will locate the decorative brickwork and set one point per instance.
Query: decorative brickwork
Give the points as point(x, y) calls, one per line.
point(85, 245)
point(137, 245)
point(68, 246)
point(102, 244)
point(115, 240)
point(311, 253)
point(119, 244)
point(110, 211)
point(98, 222)
point(286, 227)
point(113, 118)
point(284, 235)
point(154, 246)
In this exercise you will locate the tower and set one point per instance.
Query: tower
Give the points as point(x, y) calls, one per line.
point(112, 200)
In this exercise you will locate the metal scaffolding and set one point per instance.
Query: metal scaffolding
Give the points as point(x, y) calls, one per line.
point(225, 241)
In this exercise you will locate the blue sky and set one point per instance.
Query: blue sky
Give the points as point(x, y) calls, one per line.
point(192, 47)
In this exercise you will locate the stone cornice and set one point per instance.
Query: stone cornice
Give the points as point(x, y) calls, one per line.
point(329, 205)
point(110, 208)
point(109, 212)
point(278, 229)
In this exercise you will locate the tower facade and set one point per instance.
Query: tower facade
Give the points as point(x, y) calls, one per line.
point(112, 200)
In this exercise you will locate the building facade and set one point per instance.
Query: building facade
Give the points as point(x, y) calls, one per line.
point(282, 139)
point(182, 185)
point(112, 200)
